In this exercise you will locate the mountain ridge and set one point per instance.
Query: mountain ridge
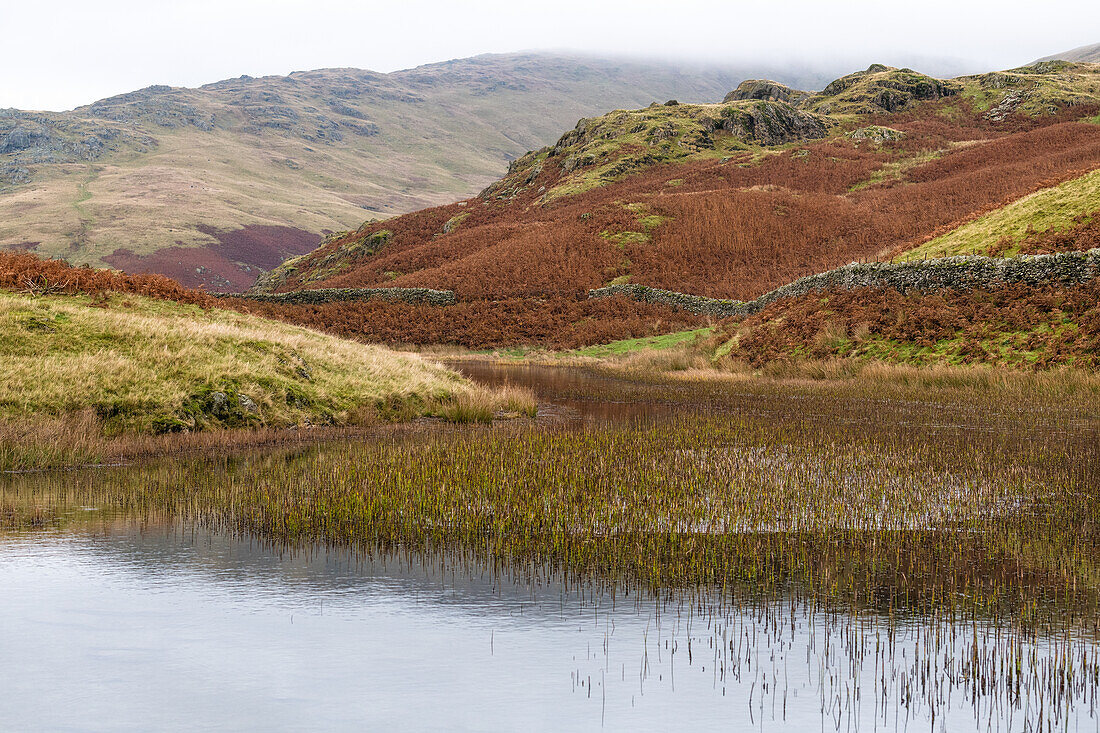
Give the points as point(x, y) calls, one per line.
point(1087, 54)
point(212, 184)
point(717, 200)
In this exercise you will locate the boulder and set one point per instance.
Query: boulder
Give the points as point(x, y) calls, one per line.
point(763, 89)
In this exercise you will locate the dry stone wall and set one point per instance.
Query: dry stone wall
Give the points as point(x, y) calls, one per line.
point(416, 296)
point(948, 273)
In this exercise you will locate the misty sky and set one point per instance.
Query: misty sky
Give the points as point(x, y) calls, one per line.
point(59, 54)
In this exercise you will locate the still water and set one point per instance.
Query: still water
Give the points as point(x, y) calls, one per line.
point(119, 625)
point(135, 628)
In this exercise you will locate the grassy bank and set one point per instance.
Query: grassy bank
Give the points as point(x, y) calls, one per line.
point(886, 371)
point(77, 369)
point(1049, 210)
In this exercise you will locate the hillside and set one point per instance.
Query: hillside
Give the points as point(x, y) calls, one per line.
point(1087, 54)
point(216, 184)
point(1050, 219)
point(105, 354)
point(722, 200)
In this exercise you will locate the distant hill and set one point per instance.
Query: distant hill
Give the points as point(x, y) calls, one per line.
point(1086, 54)
point(216, 184)
point(724, 200)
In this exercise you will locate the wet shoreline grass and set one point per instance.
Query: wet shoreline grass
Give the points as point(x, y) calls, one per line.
point(1065, 390)
point(77, 441)
point(975, 529)
point(799, 469)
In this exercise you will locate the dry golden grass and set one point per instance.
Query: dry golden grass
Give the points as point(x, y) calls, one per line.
point(482, 404)
point(130, 365)
point(1073, 389)
point(50, 440)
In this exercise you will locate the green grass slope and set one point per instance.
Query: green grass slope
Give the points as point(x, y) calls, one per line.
point(1054, 209)
point(145, 365)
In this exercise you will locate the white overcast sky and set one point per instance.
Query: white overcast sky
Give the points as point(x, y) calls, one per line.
point(57, 54)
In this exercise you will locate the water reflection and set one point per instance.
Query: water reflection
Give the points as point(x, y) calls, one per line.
point(117, 624)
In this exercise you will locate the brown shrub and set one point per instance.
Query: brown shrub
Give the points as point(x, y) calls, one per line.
point(998, 326)
point(29, 273)
point(734, 229)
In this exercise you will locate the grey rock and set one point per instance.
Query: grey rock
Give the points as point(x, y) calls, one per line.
point(23, 136)
point(773, 123)
point(219, 404)
point(875, 134)
point(763, 89)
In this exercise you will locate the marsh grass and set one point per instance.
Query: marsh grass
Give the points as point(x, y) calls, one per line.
point(50, 441)
point(79, 439)
point(1063, 389)
point(482, 404)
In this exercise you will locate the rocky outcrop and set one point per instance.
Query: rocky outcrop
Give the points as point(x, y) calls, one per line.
point(627, 141)
point(876, 134)
point(948, 273)
point(772, 123)
point(879, 89)
point(161, 105)
point(29, 139)
point(765, 90)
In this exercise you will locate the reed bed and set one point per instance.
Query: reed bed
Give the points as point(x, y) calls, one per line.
point(932, 553)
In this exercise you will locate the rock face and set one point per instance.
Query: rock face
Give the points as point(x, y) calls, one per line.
point(773, 123)
point(768, 91)
point(28, 139)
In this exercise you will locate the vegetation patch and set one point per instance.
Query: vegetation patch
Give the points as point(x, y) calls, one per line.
point(606, 149)
point(655, 343)
point(348, 249)
point(879, 89)
point(454, 222)
point(1016, 326)
point(1049, 210)
point(141, 365)
point(1038, 90)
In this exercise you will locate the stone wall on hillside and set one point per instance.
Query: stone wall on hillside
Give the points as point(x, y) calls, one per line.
point(948, 273)
point(416, 296)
